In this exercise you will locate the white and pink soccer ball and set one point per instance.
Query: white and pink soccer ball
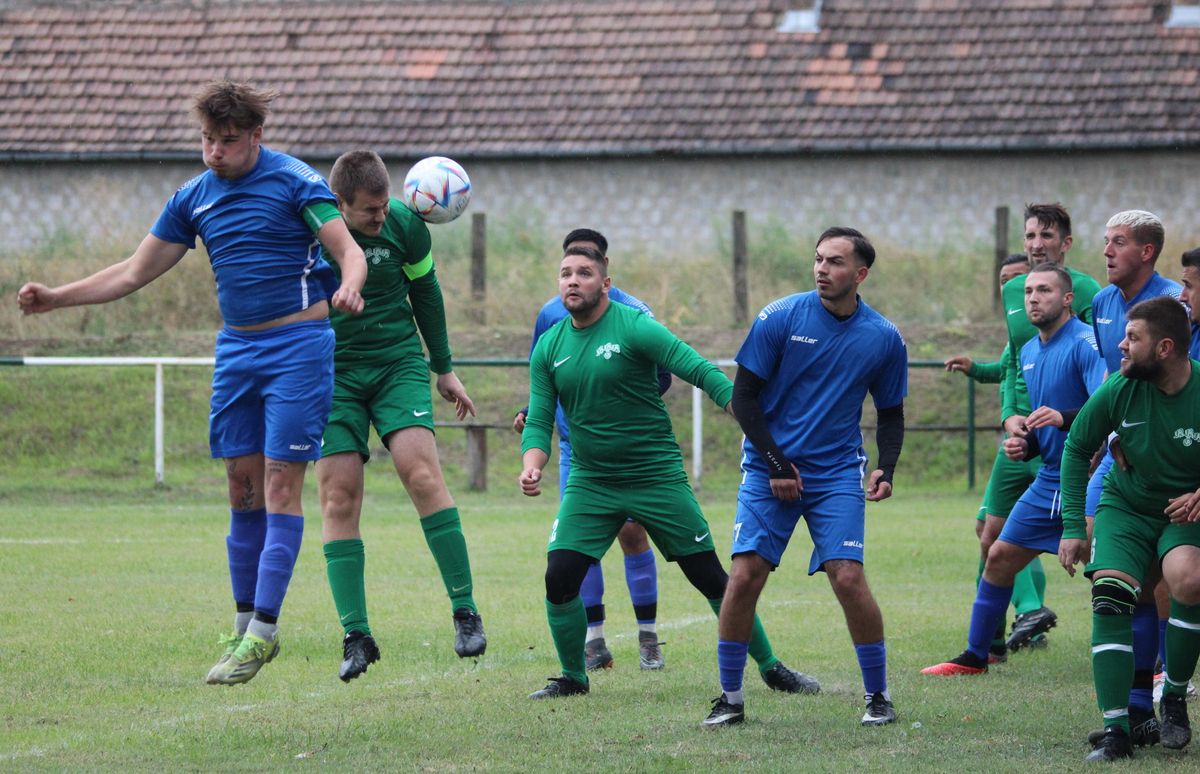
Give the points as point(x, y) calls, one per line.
point(437, 189)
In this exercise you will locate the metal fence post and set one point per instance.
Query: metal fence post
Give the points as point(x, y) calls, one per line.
point(159, 463)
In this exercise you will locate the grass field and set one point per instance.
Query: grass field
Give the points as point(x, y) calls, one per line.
point(113, 604)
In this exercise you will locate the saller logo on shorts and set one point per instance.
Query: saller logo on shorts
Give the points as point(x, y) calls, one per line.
point(607, 350)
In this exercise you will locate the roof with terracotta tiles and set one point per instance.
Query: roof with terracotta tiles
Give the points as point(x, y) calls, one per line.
point(573, 77)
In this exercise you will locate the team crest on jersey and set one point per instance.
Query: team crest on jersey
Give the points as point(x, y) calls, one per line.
point(1188, 436)
point(606, 351)
point(376, 254)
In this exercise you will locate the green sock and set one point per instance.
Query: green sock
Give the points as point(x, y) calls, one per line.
point(1039, 579)
point(344, 563)
point(1112, 666)
point(443, 533)
point(1025, 598)
point(1183, 646)
point(760, 647)
point(568, 627)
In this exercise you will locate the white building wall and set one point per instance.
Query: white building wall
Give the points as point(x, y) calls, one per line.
point(676, 206)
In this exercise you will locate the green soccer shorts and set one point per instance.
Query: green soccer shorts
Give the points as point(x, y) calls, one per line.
point(593, 511)
point(391, 397)
point(1129, 542)
point(1008, 482)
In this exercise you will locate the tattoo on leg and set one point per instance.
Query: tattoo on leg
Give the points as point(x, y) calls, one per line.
point(245, 501)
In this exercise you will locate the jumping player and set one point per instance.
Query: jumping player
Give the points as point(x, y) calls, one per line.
point(263, 217)
point(600, 365)
point(381, 379)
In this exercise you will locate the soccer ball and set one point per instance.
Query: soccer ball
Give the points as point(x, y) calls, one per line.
point(437, 189)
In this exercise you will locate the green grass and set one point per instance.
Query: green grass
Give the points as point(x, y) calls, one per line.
point(113, 603)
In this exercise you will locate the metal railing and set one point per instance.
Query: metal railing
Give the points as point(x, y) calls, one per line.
point(479, 460)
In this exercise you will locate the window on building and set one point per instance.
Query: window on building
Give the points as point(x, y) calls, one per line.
point(801, 17)
point(1184, 15)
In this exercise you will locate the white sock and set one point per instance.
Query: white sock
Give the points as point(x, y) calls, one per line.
point(650, 628)
point(241, 621)
point(734, 697)
point(595, 631)
point(262, 629)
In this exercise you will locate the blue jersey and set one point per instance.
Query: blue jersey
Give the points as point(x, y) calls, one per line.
point(818, 370)
point(1108, 315)
point(1061, 374)
point(263, 251)
point(1194, 349)
point(553, 311)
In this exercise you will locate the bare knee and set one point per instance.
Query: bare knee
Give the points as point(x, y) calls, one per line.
point(422, 479)
point(748, 571)
point(1186, 589)
point(340, 502)
point(846, 577)
point(244, 475)
point(284, 483)
point(633, 539)
point(1004, 561)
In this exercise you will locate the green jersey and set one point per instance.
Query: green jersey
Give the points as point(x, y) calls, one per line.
point(401, 294)
point(606, 378)
point(990, 373)
point(1160, 436)
point(1014, 396)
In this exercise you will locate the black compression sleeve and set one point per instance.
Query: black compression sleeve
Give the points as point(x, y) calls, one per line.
point(889, 437)
point(1068, 418)
point(664, 380)
point(1033, 448)
point(747, 386)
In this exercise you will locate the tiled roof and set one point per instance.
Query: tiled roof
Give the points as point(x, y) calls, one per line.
point(528, 78)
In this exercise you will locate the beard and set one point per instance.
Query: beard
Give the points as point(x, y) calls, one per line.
point(584, 304)
point(1146, 372)
point(1046, 320)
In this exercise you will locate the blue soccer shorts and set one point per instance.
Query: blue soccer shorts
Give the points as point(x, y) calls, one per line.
point(1096, 485)
point(1036, 520)
point(272, 391)
point(764, 524)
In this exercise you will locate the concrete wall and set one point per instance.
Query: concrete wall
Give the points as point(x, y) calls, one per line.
point(674, 206)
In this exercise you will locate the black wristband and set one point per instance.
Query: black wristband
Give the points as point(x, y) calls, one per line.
point(747, 386)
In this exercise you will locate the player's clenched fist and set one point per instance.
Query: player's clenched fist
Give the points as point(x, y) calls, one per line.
point(34, 298)
point(346, 300)
point(531, 482)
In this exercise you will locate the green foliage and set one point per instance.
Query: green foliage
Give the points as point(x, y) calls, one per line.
point(113, 605)
point(938, 284)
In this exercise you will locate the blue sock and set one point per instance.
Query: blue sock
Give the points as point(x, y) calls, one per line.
point(592, 590)
point(641, 576)
point(872, 660)
point(1162, 642)
point(1145, 652)
point(284, 534)
point(991, 603)
point(731, 663)
point(247, 531)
